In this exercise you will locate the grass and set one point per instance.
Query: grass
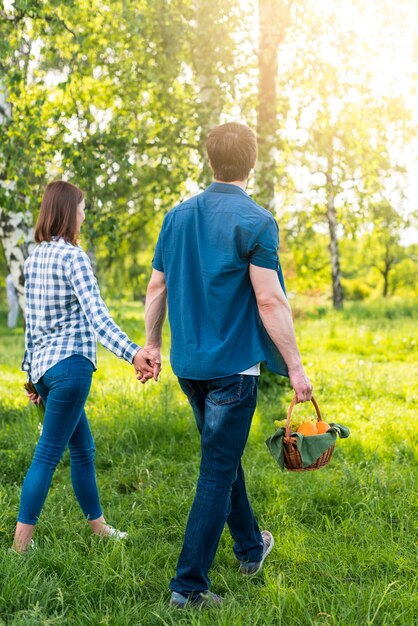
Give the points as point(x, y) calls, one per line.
point(345, 538)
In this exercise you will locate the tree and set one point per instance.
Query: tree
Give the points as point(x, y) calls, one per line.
point(106, 108)
point(107, 93)
point(211, 55)
point(383, 248)
point(274, 16)
point(344, 133)
point(19, 146)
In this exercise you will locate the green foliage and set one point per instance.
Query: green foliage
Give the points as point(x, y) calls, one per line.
point(330, 564)
point(118, 98)
point(107, 96)
point(383, 249)
point(340, 139)
point(356, 289)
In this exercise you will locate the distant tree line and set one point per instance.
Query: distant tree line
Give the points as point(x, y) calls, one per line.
point(118, 97)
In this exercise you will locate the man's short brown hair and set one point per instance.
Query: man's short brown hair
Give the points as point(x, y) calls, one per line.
point(58, 214)
point(232, 151)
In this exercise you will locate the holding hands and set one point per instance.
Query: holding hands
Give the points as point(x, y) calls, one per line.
point(147, 363)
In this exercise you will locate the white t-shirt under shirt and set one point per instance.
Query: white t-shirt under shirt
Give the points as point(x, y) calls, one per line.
point(254, 370)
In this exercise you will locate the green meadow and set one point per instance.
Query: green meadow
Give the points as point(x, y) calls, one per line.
point(346, 535)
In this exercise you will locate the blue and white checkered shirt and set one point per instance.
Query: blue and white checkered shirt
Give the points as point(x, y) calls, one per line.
point(65, 314)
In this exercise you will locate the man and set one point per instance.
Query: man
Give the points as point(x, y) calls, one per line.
point(216, 262)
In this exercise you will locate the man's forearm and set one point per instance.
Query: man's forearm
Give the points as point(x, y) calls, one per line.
point(155, 311)
point(277, 320)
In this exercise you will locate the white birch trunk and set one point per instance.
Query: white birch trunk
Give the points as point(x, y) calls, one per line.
point(16, 236)
point(337, 290)
point(273, 21)
point(16, 228)
point(209, 103)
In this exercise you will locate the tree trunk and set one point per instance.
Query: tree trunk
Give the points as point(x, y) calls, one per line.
point(273, 20)
point(385, 274)
point(16, 228)
point(337, 291)
point(388, 261)
point(210, 100)
point(16, 236)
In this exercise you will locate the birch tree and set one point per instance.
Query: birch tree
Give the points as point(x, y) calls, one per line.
point(16, 223)
point(211, 56)
point(347, 132)
point(274, 18)
point(95, 95)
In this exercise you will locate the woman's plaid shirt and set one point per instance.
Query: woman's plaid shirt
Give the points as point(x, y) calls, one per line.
point(65, 314)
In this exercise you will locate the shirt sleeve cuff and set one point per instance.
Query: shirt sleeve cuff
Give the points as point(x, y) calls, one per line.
point(157, 266)
point(267, 264)
point(130, 351)
point(26, 370)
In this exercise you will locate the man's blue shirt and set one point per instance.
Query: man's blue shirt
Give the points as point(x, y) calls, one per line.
point(204, 249)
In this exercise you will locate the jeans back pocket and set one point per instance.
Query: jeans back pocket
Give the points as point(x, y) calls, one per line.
point(59, 370)
point(225, 390)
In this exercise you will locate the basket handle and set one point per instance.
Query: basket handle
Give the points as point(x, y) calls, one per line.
point(289, 413)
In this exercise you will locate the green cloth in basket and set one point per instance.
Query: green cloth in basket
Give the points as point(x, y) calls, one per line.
point(310, 448)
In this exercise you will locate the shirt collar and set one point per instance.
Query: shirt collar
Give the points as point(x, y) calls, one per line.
point(227, 188)
point(55, 239)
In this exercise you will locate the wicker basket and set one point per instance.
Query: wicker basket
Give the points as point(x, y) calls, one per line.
point(292, 458)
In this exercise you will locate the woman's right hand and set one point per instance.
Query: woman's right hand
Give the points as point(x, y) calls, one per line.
point(35, 398)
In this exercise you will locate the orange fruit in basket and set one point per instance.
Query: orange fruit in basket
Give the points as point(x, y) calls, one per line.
point(322, 427)
point(308, 429)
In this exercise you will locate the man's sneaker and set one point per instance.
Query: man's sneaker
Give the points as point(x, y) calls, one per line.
point(251, 568)
point(205, 599)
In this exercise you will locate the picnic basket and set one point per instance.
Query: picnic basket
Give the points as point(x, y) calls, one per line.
point(291, 454)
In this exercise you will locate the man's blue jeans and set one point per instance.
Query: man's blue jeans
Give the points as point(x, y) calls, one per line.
point(223, 409)
point(64, 389)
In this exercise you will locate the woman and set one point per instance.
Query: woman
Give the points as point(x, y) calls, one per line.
point(64, 315)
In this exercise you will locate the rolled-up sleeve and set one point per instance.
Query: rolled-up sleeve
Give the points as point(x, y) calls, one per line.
point(264, 252)
point(157, 261)
point(82, 280)
point(27, 357)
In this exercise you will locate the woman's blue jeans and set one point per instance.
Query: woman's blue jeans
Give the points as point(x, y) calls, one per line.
point(223, 409)
point(64, 389)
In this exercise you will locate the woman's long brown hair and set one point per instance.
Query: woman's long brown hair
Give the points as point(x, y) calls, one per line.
point(58, 214)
